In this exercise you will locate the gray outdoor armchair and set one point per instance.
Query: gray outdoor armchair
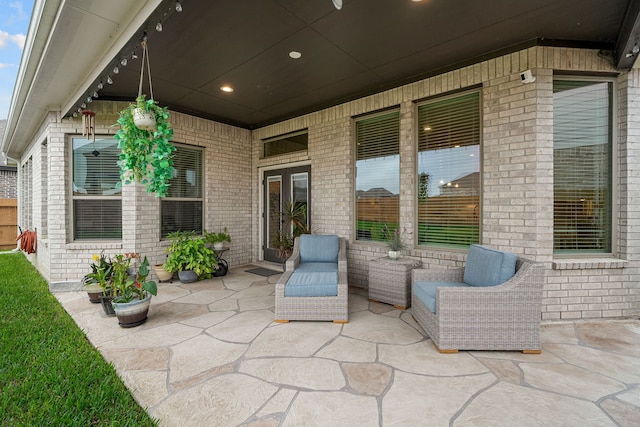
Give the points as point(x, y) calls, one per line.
point(314, 285)
point(474, 308)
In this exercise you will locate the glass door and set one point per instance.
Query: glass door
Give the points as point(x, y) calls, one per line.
point(286, 210)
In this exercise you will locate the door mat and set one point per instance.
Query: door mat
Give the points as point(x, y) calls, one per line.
point(260, 271)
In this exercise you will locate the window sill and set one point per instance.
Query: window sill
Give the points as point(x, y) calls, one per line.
point(588, 263)
point(95, 246)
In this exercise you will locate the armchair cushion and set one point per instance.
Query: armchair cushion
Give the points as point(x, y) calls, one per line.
point(488, 267)
point(312, 284)
point(319, 248)
point(426, 291)
point(313, 267)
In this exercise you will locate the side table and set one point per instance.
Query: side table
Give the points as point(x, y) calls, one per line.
point(390, 280)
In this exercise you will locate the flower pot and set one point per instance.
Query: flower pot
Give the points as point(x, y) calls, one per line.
point(187, 276)
point(94, 291)
point(395, 254)
point(132, 313)
point(218, 245)
point(223, 268)
point(163, 275)
point(144, 120)
point(106, 305)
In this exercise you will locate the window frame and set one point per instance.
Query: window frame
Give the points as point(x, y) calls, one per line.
point(434, 99)
point(614, 122)
point(200, 199)
point(283, 137)
point(387, 111)
point(72, 197)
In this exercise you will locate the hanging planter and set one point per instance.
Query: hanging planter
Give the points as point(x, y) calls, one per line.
point(144, 140)
point(144, 120)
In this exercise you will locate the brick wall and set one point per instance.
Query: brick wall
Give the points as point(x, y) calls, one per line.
point(227, 194)
point(8, 182)
point(517, 177)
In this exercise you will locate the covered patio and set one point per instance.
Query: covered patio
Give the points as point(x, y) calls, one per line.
point(210, 354)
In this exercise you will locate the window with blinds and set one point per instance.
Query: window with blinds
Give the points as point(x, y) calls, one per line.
point(377, 175)
point(182, 209)
point(449, 171)
point(96, 192)
point(582, 161)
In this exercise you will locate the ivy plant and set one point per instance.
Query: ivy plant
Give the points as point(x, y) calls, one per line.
point(145, 155)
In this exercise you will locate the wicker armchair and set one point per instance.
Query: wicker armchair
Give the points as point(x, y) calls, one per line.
point(318, 307)
point(502, 317)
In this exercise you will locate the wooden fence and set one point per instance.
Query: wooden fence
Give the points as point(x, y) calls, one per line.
point(8, 223)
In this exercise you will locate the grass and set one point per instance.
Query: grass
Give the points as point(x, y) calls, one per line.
point(49, 372)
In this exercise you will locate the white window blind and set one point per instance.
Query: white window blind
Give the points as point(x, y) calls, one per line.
point(582, 158)
point(449, 171)
point(96, 193)
point(377, 175)
point(182, 209)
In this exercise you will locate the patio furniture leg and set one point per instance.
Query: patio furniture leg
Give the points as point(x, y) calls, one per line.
point(531, 351)
point(281, 321)
point(340, 321)
point(444, 351)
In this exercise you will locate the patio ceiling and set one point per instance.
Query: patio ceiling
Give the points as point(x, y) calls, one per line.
point(368, 46)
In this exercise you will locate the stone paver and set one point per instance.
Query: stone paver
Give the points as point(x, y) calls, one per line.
point(210, 354)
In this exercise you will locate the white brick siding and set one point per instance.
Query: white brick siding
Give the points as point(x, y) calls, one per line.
point(517, 181)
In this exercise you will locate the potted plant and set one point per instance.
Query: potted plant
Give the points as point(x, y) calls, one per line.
point(189, 253)
point(145, 155)
point(217, 239)
point(162, 274)
point(294, 218)
point(132, 294)
point(395, 242)
point(97, 281)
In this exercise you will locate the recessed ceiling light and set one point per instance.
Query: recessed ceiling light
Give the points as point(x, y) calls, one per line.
point(227, 89)
point(295, 54)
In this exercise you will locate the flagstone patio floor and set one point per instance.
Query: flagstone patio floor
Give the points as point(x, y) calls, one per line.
point(210, 354)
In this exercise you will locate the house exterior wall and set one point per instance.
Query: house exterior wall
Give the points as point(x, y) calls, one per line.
point(516, 168)
point(517, 177)
point(48, 197)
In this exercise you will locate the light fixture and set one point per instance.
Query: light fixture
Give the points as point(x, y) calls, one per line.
point(294, 54)
point(178, 6)
point(100, 85)
point(109, 81)
point(95, 94)
point(123, 61)
point(89, 99)
point(116, 70)
point(83, 105)
point(159, 26)
point(134, 55)
point(635, 49)
point(226, 88)
point(337, 4)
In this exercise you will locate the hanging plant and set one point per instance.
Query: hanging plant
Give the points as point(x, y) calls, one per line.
point(145, 155)
point(146, 151)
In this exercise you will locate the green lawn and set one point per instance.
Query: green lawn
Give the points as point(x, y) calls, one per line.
point(49, 372)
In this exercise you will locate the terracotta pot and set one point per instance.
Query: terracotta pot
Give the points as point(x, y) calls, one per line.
point(163, 275)
point(132, 313)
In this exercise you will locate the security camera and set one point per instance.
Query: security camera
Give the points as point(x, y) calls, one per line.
point(527, 77)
